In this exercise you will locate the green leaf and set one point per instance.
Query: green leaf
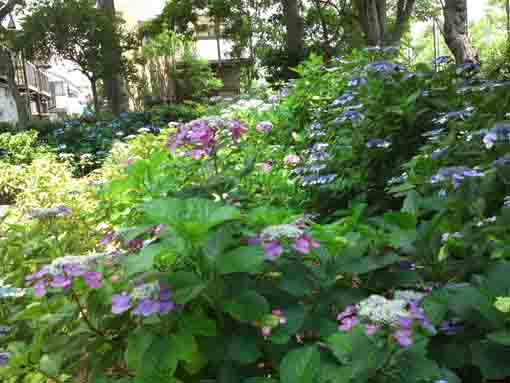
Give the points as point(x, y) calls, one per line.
point(301, 365)
point(243, 348)
point(159, 361)
point(184, 345)
point(411, 203)
point(186, 286)
point(492, 358)
point(50, 364)
point(144, 261)
point(139, 341)
point(368, 264)
point(197, 323)
point(500, 337)
point(248, 307)
point(241, 260)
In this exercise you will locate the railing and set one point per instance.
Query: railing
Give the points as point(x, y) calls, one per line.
point(37, 80)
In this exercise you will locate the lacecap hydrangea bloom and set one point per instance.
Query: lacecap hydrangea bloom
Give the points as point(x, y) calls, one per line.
point(147, 299)
point(62, 272)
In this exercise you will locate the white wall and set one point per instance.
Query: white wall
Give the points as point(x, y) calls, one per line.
point(8, 110)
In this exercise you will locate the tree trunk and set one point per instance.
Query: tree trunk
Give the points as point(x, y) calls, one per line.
point(372, 17)
point(112, 57)
point(295, 32)
point(95, 97)
point(373, 20)
point(7, 66)
point(326, 44)
point(455, 32)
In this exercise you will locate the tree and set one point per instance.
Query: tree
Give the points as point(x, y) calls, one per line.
point(295, 32)
point(375, 23)
point(112, 60)
point(455, 32)
point(73, 30)
point(7, 62)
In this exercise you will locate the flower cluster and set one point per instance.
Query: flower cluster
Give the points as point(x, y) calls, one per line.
point(271, 239)
point(276, 319)
point(443, 118)
point(456, 174)
point(62, 272)
point(149, 299)
point(291, 160)
point(501, 132)
point(204, 135)
point(4, 358)
point(264, 127)
point(378, 143)
point(399, 315)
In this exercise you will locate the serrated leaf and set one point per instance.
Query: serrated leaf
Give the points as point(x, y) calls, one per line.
point(247, 259)
point(301, 365)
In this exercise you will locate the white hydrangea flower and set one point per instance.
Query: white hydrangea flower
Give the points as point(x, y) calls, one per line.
point(378, 309)
point(282, 231)
point(145, 291)
point(408, 295)
point(85, 262)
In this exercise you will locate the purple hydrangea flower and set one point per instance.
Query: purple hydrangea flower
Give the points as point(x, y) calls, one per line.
point(305, 244)
point(120, 303)
point(73, 270)
point(238, 129)
point(273, 249)
point(146, 308)
point(371, 329)
point(404, 337)
point(264, 127)
point(348, 323)
point(40, 288)
point(93, 279)
point(60, 281)
point(456, 174)
point(291, 160)
point(4, 359)
point(348, 311)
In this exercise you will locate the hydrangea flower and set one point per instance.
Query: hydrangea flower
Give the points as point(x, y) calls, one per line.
point(442, 60)
point(291, 160)
point(305, 244)
point(351, 115)
point(282, 231)
point(379, 310)
point(456, 174)
point(149, 299)
point(506, 202)
point(4, 358)
point(356, 82)
point(501, 132)
point(277, 318)
point(266, 167)
point(62, 272)
point(343, 100)
point(264, 127)
point(273, 249)
point(378, 143)
point(120, 303)
point(319, 179)
point(383, 67)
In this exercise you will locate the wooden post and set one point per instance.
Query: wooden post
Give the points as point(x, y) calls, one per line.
point(27, 91)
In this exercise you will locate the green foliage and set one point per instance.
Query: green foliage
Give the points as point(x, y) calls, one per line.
point(18, 148)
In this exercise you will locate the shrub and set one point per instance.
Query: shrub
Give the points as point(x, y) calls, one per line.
point(18, 148)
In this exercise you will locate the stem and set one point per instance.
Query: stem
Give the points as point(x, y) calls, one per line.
point(85, 318)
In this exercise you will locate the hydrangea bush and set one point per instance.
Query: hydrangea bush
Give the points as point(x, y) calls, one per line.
point(356, 232)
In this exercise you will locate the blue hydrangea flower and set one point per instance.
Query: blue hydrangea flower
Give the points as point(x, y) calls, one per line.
point(442, 60)
point(390, 50)
point(501, 132)
point(356, 81)
point(503, 161)
point(4, 359)
point(378, 143)
point(468, 66)
point(318, 179)
point(456, 174)
point(351, 115)
point(343, 99)
point(383, 67)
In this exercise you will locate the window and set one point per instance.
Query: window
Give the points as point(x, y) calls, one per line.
point(58, 89)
